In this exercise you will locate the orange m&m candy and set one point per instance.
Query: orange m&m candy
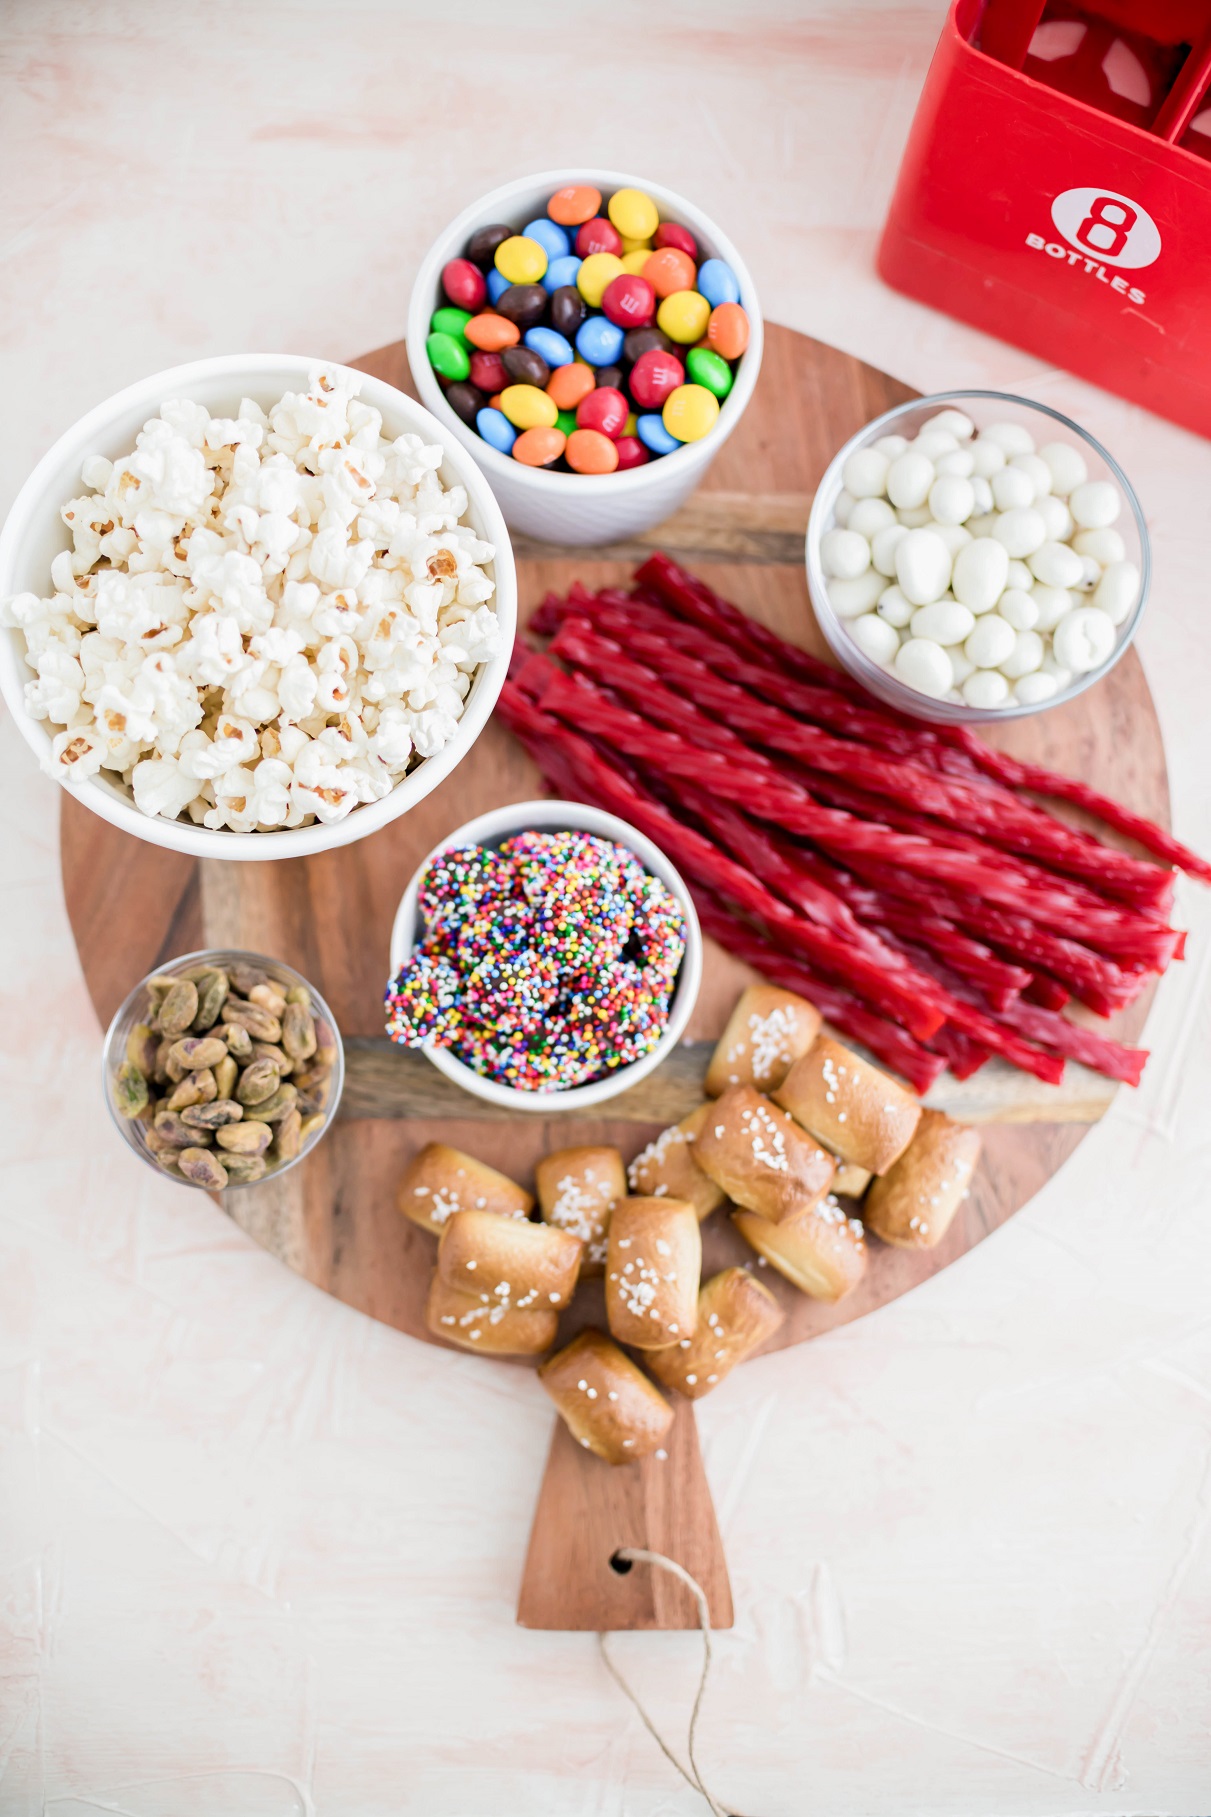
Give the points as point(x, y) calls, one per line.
point(491, 333)
point(727, 330)
point(568, 384)
point(589, 451)
point(669, 270)
point(539, 447)
point(577, 203)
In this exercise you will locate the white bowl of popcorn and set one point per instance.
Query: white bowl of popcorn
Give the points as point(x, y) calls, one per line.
point(254, 607)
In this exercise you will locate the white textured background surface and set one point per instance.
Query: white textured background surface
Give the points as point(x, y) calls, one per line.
point(259, 1556)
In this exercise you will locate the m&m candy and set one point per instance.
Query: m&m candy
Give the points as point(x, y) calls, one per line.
point(592, 338)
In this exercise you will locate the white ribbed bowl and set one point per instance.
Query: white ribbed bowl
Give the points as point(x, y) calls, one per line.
point(34, 533)
point(492, 829)
point(581, 508)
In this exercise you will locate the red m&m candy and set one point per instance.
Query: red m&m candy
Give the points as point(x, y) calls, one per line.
point(629, 301)
point(671, 233)
point(653, 376)
point(603, 409)
point(598, 235)
point(631, 452)
point(488, 371)
point(464, 284)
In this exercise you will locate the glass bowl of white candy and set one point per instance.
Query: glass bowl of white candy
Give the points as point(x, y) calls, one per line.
point(976, 556)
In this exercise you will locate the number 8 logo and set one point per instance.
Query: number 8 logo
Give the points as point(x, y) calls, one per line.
point(1115, 220)
point(1104, 225)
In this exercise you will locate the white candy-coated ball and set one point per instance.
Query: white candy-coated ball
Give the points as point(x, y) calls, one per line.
point(989, 458)
point(909, 478)
point(1095, 505)
point(883, 548)
point(986, 688)
point(951, 499)
point(1056, 565)
point(991, 641)
point(1037, 472)
point(1083, 640)
point(980, 570)
point(958, 463)
point(923, 566)
point(953, 535)
point(1021, 531)
point(869, 515)
point(914, 517)
point(1014, 438)
point(875, 637)
point(1019, 575)
point(1057, 517)
point(982, 491)
point(1025, 657)
point(895, 608)
point(1117, 591)
point(933, 442)
point(960, 665)
point(1019, 609)
point(1091, 573)
point(1052, 604)
point(844, 505)
point(1012, 489)
point(864, 474)
point(1061, 676)
point(982, 523)
point(925, 666)
point(1103, 546)
point(953, 422)
point(1032, 690)
point(945, 622)
point(1067, 464)
point(891, 445)
point(850, 598)
point(844, 554)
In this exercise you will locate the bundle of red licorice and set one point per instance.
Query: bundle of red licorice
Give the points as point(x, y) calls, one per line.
point(897, 874)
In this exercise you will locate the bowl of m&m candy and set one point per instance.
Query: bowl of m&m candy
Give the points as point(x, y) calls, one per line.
point(592, 339)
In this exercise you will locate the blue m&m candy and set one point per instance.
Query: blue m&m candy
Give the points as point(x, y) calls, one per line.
point(550, 236)
point(498, 283)
point(599, 341)
point(550, 345)
point(560, 272)
point(717, 283)
point(651, 432)
point(499, 432)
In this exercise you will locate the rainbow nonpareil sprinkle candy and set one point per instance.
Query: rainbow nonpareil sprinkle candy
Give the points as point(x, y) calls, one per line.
point(544, 965)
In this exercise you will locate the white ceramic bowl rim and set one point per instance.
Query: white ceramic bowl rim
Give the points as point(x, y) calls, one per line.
point(550, 816)
point(247, 373)
point(492, 207)
point(877, 679)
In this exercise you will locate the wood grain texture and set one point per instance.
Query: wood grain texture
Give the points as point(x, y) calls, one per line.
point(333, 1219)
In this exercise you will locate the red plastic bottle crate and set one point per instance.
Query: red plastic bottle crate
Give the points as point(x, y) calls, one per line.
point(1038, 215)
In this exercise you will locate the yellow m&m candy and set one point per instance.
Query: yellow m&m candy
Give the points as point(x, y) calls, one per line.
point(529, 408)
point(689, 413)
point(634, 215)
point(644, 245)
point(596, 272)
point(684, 316)
point(521, 260)
point(634, 262)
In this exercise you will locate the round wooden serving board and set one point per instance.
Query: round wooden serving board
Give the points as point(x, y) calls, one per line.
point(334, 1221)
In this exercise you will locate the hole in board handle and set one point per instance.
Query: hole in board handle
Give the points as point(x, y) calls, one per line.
point(620, 1564)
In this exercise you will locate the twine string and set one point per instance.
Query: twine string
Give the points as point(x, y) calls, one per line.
point(637, 1555)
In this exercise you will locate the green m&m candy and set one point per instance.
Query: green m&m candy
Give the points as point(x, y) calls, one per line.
point(703, 367)
point(450, 321)
point(566, 420)
point(449, 358)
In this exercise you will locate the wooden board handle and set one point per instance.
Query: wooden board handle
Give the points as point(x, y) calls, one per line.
point(588, 1509)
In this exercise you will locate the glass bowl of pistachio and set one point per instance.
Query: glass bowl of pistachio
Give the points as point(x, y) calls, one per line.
point(223, 1069)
